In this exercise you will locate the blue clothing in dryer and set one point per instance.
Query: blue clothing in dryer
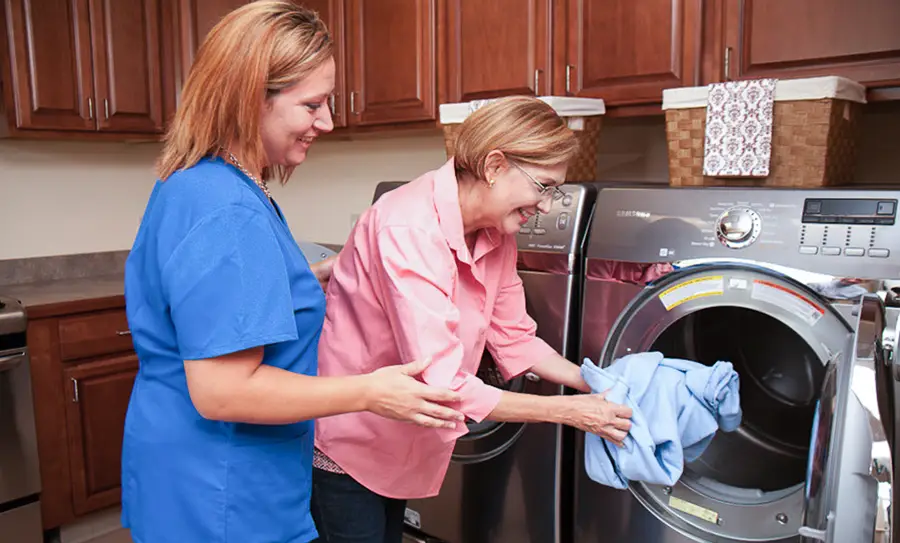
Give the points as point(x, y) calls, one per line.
point(677, 407)
point(215, 270)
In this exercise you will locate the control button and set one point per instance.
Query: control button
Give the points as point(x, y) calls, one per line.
point(808, 249)
point(831, 251)
point(562, 222)
point(865, 221)
point(813, 206)
point(567, 200)
point(879, 253)
point(524, 230)
point(884, 220)
point(854, 251)
point(812, 219)
point(885, 208)
point(539, 231)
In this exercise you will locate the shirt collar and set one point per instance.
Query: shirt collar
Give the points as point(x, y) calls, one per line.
point(446, 203)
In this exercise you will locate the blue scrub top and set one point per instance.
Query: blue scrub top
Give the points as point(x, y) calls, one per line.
point(214, 270)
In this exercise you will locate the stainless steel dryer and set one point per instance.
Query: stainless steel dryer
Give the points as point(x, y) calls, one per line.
point(755, 277)
point(506, 480)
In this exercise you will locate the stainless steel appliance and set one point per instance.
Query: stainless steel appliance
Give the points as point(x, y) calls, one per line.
point(742, 275)
point(20, 485)
point(508, 482)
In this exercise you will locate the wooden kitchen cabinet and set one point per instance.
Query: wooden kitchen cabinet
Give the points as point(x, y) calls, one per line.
point(98, 397)
point(628, 51)
point(196, 18)
point(785, 39)
point(391, 61)
point(497, 48)
point(85, 66)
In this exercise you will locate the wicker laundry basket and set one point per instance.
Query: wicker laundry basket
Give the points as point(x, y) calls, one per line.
point(584, 116)
point(814, 134)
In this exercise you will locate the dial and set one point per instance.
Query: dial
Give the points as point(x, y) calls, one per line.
point(738, 227)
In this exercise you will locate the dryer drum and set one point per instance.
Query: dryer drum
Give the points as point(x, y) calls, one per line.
point(780, 381)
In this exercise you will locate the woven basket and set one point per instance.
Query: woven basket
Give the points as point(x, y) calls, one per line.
point(813, 145)
point(584, 166)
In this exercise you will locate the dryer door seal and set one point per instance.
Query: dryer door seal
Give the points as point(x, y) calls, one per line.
point(779, 335)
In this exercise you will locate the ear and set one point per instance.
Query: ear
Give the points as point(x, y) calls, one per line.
point(494, 164)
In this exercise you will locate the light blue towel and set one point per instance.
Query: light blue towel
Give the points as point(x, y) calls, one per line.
point(677, 407)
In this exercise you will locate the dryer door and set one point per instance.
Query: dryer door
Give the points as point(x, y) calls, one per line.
point(780, 336)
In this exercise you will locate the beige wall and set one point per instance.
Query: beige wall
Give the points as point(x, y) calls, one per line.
point(66, 198)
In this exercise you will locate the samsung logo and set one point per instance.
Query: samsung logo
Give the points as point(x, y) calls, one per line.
point(632, 213)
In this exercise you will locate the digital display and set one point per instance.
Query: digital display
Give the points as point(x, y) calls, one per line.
point(849, 211)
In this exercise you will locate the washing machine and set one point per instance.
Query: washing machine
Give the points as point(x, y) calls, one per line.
point(773, 281)
point(507, 482)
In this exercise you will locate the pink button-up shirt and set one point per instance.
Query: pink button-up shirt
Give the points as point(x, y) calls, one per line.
point(405, 287)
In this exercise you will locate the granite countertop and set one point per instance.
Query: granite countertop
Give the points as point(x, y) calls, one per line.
point(62, 296)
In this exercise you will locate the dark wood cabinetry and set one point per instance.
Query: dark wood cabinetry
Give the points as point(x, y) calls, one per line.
point(83, 369)
point(86, 66)
point(797, 38)
point(497, 48)
point(628, 51)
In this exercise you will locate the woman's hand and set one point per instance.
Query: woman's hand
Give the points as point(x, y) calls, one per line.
point(593, 413)
point(322, 270)
point(392, 392)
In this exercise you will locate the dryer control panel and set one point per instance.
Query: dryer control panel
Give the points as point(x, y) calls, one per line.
point(562, 229)
point(830, 231)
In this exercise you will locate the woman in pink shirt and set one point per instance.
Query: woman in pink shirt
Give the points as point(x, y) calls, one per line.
point(430, 271)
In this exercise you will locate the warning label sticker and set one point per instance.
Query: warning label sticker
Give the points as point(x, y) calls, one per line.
point(793, 302)
point(693, 509)
point(690, 290)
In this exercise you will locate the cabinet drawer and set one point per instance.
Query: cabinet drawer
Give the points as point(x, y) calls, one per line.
point(94, 334)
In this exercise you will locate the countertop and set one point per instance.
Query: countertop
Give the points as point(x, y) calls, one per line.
point(64, 296)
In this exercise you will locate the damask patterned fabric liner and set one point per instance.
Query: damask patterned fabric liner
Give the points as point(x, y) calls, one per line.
point(739, 128)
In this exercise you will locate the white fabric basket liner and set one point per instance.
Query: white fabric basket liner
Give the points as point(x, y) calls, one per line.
point(786, 90)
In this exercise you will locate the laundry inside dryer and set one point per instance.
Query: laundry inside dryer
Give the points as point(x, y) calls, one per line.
point(780, 381)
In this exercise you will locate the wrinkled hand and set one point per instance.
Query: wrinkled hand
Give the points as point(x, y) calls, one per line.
point(593, 413)
point(322, 270)
point(395, 394)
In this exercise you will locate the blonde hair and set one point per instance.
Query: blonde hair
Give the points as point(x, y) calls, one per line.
point(524, 129)
point(252, 54)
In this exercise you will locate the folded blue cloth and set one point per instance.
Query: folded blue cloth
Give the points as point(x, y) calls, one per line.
point(677, 407)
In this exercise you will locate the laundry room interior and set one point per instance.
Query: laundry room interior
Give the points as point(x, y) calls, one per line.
point(717, 255)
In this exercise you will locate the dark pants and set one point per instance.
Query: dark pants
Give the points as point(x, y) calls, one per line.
point(347, 512)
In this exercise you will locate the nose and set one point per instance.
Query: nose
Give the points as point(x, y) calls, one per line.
point(323, 121)
point(544, 205)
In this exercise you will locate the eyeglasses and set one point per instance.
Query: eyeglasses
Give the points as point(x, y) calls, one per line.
point(545, 191)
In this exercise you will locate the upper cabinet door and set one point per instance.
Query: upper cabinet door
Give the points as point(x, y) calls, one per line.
point(128, 65)
point(197, 17)
point(628, 51)
point(497, 48)
point(49, 66)
point(858, 39)
point(391, 61)
point(332, 12)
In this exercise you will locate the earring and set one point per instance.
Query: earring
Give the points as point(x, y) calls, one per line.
point(490, 183)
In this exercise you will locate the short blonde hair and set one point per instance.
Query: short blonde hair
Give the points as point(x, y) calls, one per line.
point(524, 129)
point(252, 54)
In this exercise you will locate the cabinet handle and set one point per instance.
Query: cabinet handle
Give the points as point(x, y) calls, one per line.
point(75, 388)
point(331, 106)
point(123, 332)
point(106, 108)
point(569, 69)
point(537, 82)
point(90, 108)
point(727, 65)
point(353, 102)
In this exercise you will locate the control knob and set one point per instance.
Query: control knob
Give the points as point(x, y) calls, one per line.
point(738, 227)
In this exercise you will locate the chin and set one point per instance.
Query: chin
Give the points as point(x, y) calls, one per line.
point(295, 158)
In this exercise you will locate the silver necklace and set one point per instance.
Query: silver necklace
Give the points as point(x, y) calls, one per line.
point(261, 184)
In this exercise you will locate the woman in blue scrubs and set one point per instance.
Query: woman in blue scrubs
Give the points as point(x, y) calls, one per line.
point(224, 310)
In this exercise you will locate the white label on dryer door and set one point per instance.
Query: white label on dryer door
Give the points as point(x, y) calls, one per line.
point(792, 302)
point(690, 290)
point(412, 518)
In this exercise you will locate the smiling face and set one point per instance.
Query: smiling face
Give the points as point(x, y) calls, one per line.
point(515, 196)
point(292, 119)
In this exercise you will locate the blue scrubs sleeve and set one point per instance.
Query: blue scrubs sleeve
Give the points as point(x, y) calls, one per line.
point(227, 287)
